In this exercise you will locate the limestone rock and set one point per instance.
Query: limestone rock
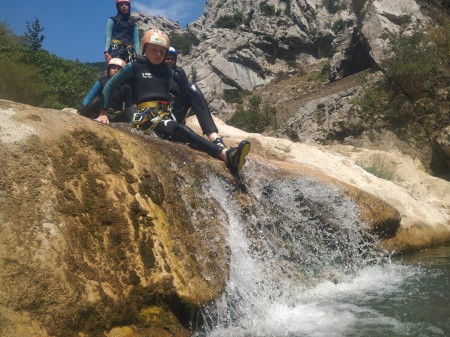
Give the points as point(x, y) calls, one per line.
point(107, 232)
point(378, 19)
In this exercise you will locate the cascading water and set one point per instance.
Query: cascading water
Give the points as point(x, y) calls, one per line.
point(303, 264)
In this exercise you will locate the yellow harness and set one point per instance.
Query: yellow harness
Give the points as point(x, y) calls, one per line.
point(153, 112)
point(119, 42)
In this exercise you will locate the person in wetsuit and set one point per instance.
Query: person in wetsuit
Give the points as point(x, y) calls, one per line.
point(151, 79)
point(122, 35)
point(121, 108)
point(189, 100)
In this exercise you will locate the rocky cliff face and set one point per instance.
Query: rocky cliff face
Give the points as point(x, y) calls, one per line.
point(107, 232)
point(334, 40)
point(267, 41)
point(272, 36)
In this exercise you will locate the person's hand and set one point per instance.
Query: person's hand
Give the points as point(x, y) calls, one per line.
point(107, 58)
point(102, 118)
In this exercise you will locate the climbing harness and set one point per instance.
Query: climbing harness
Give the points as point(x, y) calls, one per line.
point(122, 50)
point(150, 114)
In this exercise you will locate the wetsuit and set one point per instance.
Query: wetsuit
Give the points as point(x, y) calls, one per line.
point(151, 83)
point(190, 97)
point(120, 102)
point(122, 38)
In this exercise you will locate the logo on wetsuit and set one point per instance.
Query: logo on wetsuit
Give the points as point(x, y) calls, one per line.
point(147, 75)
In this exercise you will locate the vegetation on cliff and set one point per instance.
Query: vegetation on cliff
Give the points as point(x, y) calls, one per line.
point(34, 76)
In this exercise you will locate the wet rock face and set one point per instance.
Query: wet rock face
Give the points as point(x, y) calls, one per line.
point(96, 231)
point(108, 232)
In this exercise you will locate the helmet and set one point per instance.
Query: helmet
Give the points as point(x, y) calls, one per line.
point(173, 51)
point(117, 61)
point(156, 37)
point(119, 1)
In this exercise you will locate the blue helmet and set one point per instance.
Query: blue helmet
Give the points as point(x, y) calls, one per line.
point(173, 51)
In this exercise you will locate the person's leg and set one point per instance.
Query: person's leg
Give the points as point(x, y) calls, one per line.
point(180, 108)
point(234, 157)
point(119, 100)
point(201, 110)
point(125, 116)
point(170, 129)
point(92, 109)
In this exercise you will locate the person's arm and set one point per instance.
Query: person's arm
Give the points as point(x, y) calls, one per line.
point(123, 74)
point(137, 45)
point(109, 29)
point(184, 80)
point(95, 91)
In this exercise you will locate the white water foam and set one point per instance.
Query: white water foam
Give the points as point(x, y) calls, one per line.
point(258, 304)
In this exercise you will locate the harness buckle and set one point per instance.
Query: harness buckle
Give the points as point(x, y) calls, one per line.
point(150, 114)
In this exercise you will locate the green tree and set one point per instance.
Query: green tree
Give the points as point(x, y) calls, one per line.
point(230, 21)
point(39, 78)
point(414, 66)
point(33, 38)
point(183, 42)
point(256, 118)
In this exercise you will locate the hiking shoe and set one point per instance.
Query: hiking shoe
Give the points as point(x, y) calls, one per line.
point(219, 142)
point(236, 156)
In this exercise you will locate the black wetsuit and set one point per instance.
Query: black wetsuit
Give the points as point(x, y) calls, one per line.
point(152, 83)
point(190, 97)
point(122, 37)
point(120, 102)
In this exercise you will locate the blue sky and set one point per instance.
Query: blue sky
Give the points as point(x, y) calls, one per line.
point(75, 29)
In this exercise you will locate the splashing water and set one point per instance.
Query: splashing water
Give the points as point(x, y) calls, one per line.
point(303, 264)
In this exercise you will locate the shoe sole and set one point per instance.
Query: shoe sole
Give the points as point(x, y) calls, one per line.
point(244, 152)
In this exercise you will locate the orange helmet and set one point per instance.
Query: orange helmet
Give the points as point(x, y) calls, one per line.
point(156, 37)
point(117, 61)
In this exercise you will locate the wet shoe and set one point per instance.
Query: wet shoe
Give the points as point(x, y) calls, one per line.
point(219, 142)
point(236, 156)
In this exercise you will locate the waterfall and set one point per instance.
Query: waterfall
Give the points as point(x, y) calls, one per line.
point(302, 263)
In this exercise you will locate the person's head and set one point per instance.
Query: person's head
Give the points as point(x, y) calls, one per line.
point(171, 58)
point(114, 65)
point(155, 45)
point(123, 6)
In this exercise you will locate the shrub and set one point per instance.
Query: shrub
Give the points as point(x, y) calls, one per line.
point(249, 18)
point(414, 65)
point(325, 69)
point(333, 6)
point(378, 166)
point(266, 9)
point(235, 95)
point(40, 78)
point(256, 118)
point(418, 69)
point(193, 76)
point(183, 42)
point(288, 6)
point(387, 101)
point(440, 4)
point(230, 21)
point(18, 83)
point(341, 25)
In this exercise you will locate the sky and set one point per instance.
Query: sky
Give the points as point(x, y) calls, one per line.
point(75, 30)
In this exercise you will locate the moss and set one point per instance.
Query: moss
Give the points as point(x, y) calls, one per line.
point(156, 316)
point(34, 118)
point(146, 252)
point(152, 187)
point(130, 179)
point(139, 216)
